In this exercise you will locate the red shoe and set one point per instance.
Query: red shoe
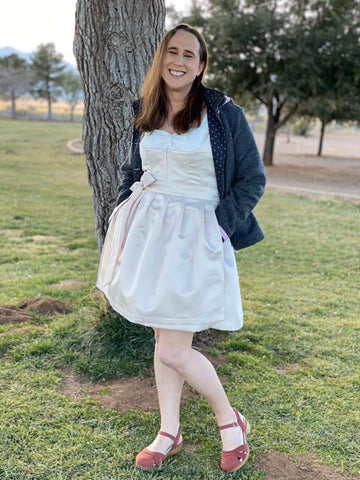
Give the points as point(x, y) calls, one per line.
point(232, 460)
point(148, 460)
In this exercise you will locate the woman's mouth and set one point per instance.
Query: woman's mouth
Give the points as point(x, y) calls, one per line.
point(176, 73)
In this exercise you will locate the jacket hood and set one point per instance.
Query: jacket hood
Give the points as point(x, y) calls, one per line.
point(214, 98)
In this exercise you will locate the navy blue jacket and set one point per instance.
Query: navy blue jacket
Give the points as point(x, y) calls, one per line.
point(239, 169)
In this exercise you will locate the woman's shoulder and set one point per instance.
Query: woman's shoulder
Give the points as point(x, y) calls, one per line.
point(233, 115)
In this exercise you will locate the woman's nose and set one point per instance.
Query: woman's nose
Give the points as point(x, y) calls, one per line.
point(179, 60)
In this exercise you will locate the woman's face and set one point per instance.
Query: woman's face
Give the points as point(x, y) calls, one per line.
point(181, 61)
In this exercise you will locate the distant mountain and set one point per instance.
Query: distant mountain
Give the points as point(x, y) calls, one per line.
point(5, 51)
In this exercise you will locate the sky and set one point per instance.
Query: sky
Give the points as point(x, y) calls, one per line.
point(25, 24)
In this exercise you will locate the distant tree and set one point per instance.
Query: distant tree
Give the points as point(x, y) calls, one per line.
point(114, 45)
point(338, 98)
point(300, 124)
point(332, 108)
point(15, 79)
point(273, 49)
point(72, 89)
point(47, 68)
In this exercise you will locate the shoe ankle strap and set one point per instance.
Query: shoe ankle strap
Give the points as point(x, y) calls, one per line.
point(239, 422)
point(173, 438)
point(233, 424)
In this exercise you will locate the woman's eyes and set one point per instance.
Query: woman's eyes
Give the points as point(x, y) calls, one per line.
point(187, 56)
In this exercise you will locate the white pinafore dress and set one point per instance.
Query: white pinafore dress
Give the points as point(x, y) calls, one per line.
point(163, 263)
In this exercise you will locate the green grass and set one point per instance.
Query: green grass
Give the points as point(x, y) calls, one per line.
point(301, 305)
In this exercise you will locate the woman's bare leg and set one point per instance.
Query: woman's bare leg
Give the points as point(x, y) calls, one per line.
point(174, 350)
point(169, 385)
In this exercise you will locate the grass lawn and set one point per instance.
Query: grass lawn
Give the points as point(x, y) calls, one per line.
point(293, 369)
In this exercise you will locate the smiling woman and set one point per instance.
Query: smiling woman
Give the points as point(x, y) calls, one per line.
point(181, 63)
point(189, 185)
point(172, 94)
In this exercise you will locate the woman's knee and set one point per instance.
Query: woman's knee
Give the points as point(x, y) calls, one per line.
point(172, 357)
point(173, 347)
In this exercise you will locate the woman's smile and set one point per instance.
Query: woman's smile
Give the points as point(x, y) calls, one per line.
point(176, 73)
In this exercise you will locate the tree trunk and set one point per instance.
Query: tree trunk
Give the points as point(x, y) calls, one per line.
point(269, 139)
point(13, 105)
point(49, 105)
point(72, 108)
point(323, 125)
point(114, 44)
point(288, 133)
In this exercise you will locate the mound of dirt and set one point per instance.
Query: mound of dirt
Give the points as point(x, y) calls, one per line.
point(282, 466)
point(44, 305)
point(13, 314)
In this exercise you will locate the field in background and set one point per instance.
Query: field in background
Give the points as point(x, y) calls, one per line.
point(36, 109)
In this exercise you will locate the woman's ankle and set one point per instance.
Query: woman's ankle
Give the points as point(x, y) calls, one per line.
point(225, 416)
point(171, 428)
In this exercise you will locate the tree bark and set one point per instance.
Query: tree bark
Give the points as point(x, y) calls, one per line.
point(13, 105)
point(269, 140)
point(114, 44)
point(322, 132)
point(274, 122)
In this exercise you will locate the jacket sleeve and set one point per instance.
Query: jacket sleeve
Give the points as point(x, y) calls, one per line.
point(126, 177)
point(249, 181)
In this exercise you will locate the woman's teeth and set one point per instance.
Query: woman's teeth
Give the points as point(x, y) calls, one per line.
point(176, 73)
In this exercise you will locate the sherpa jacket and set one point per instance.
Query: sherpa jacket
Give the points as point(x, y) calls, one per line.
point(239, 169)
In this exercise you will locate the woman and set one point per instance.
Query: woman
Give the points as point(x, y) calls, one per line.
point(185, 203)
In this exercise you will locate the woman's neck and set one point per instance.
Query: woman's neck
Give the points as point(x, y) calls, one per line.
point(176, 100)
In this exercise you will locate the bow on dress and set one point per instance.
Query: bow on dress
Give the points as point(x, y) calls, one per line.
point(117, 231)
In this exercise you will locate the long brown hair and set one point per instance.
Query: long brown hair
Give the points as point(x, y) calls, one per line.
point(153, 103)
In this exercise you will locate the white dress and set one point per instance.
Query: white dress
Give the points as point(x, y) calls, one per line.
point(163, 262)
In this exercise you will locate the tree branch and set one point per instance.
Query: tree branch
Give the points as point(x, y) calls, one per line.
point(261, 99)
point(287, 116)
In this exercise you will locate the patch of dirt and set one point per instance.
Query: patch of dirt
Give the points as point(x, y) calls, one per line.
point(288, 368)
point(12, 232)
point(67, 284)
point(138, 393)
point(282, 466)
point(44, 305)
point(76, 145)
point(41, 238)
point(191, 448)
point(24, 329)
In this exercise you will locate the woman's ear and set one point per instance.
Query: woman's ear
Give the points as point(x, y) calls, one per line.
point(201, 68)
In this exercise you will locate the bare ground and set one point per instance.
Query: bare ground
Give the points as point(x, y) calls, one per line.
point(297, 168)
point(282, 466)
